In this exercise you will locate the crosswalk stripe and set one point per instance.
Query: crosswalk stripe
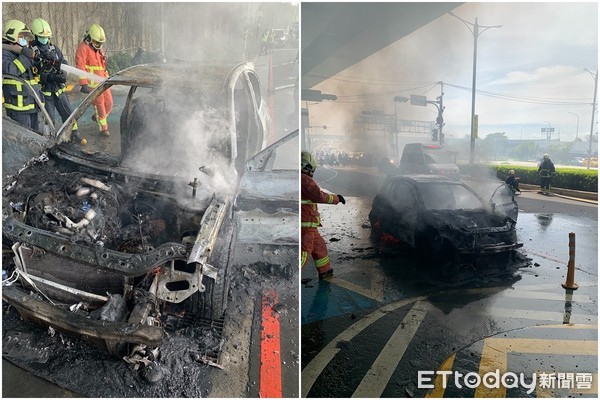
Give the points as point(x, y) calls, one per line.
point(314, 368)
point(378, 376)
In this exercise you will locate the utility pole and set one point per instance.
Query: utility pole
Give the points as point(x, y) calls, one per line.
point(440, 119)
point(593, 115)
point(476, 33)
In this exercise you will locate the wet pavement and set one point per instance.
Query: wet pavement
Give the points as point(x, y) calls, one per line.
point(385, 316)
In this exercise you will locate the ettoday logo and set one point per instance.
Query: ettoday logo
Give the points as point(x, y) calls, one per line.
point(508, 380)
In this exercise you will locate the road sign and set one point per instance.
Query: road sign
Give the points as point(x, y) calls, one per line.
point(417, 100)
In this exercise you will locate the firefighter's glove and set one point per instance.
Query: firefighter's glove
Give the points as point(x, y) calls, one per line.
point(52, 64)
point(341, 198)
point(85, 89)
point(61, 77)
point(47, 78)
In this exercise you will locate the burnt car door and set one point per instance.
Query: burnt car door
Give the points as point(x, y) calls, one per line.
point(19, 143)
point(266, 206)
point(250, 116)
point(395, 210)
point(503, 202)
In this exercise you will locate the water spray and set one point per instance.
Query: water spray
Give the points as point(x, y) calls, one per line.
point(82, 74)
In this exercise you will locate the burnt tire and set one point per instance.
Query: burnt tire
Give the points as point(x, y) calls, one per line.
point(215, 296)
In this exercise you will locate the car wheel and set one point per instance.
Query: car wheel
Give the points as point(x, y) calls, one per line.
point(215, 296)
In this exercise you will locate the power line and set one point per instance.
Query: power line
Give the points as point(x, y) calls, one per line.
point(531, 100)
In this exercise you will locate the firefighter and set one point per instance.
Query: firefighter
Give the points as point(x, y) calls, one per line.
point(19, 59)
point(52, 78)
point(312, 243)
point(512, 181)
point(91, 57)
point(546, 171)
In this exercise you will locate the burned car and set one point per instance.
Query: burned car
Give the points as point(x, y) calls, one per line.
point(443, 218)
point(123, 238)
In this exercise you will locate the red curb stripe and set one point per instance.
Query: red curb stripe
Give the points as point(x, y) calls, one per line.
point(270, 355)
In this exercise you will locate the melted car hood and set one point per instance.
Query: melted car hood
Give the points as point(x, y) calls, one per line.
point(471, 220)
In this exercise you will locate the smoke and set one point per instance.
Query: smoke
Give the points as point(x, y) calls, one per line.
point(185, 137)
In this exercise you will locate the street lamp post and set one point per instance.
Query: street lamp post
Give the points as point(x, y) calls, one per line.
point(577, 130)
point(593, 115)
point(476, 33)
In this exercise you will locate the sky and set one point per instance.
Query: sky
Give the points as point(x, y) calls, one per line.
point(530, 72)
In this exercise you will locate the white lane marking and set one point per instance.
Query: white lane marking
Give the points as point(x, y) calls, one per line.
point(521, 294)
point(524, 294)
point(535, 315)
point(316, 366)
point(328, 179)
point(375, 292)
point(378, 376)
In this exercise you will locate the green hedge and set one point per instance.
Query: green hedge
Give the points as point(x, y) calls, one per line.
point(566, 178)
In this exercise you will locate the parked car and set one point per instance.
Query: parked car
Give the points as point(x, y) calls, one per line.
point(443, 218)
point(418, 158)
point(115, 244)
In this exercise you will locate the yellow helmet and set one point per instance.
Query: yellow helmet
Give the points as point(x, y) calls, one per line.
point(41, 28)
point(14, 28)
point(307, 162)
point(96, 34)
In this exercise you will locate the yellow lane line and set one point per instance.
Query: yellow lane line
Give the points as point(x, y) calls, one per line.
point(495, 355)
point(378, 376)
point(438, 390)
point(568, 326)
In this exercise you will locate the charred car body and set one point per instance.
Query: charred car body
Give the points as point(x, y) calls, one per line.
point(117, 244)
point(443, 218)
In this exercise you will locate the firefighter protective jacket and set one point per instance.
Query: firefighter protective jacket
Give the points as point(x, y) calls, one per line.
point(546, 168)
point(89, 59)
point(17, 98)
point(311, 194)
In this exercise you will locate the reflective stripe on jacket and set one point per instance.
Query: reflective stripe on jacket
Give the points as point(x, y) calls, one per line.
point(311, 195)
point(16, 97)
point(87, 58)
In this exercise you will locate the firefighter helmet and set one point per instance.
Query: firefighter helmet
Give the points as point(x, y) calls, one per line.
point(511, 172)
point(307, 162)
point(96, 34)
point(546, 157)
point(12, 30)
point(41, 28)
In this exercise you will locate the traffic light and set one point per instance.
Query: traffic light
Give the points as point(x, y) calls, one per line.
point(434, 135)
